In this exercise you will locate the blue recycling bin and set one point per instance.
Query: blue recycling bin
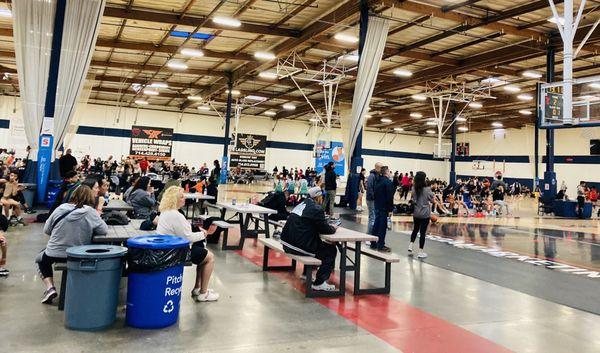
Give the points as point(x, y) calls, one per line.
point(52, 192)
point(155, 264)
point(92, 292)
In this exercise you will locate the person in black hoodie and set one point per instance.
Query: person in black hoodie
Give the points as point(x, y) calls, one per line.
point(330, 188)
point(301, 236)
point(384, 205)
point(276, 201)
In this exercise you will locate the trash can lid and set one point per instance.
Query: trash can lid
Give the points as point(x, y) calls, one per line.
point(157, 242)
point(96, 251)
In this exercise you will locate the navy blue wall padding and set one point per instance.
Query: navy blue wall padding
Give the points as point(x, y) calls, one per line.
point(29, 175)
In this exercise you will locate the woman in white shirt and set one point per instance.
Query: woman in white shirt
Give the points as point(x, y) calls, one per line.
point(173, 222)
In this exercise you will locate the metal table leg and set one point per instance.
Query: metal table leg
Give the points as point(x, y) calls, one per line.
point(357, 250)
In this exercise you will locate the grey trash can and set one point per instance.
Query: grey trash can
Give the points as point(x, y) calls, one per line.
point(29, 193)
point(93, 278)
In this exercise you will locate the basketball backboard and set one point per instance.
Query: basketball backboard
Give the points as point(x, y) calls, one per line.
point(586, 103)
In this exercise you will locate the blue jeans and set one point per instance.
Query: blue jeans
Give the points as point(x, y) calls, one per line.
point(380, 227)
point(371, 208)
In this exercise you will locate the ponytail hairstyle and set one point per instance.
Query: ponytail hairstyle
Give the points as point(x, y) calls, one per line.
point(419, 182)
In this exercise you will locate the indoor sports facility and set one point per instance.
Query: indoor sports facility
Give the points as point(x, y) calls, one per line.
point(416, 176)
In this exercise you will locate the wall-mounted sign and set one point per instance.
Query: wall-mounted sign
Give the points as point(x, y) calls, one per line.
point(151, 142)
point(249, 152)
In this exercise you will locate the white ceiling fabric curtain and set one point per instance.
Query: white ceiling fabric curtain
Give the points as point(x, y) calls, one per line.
point(80, 31)
point(33, 25)
point(368, 69)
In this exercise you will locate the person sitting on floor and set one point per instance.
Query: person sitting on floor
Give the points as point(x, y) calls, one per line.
point(10, 199)
point(301, 236)
point(71, 224)
point(142, 198)
point(173, 222)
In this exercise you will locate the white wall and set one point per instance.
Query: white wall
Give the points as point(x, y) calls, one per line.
point(101, 116)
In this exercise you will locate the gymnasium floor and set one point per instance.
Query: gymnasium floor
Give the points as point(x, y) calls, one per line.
point(489, 285)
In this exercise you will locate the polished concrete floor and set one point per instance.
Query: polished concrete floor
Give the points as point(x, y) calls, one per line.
point(460, 299)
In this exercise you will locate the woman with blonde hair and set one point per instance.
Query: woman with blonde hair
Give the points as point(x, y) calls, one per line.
point(173, 222)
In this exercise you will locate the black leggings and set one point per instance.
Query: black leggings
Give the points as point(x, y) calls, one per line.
point(419, 226)
point(45, 265)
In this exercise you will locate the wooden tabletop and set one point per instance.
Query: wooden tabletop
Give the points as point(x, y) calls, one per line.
point(118, 234)
point(117, 205)
point(246, 208)
point(345, 234)
point(197, 196)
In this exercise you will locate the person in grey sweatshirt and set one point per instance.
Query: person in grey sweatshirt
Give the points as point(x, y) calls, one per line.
point(71, 224)
point(142, 198)
point(422, 197)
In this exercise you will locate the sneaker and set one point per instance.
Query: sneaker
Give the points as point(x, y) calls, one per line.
point(324, 287)
point(385, 249)
point(21, 221)
point(410, 248)
point(209, 296)
point(49, 295)
point(422, 255)
point(4, 272)
point(29, 211)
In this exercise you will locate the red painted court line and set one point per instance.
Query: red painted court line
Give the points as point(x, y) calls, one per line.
point(402, 326)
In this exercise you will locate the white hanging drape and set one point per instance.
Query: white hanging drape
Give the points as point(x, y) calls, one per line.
point(80, 31)
point(33, 25)
point(368, 69)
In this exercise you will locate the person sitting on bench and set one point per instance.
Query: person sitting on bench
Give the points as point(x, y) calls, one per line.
point(276, 201)
point(71, 224)
point(301, 236)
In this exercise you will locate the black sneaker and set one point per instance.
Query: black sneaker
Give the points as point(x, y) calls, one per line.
point(4, 272)
point(49, 295)
point(29, 211)
point(385, 249)
point(21, 221)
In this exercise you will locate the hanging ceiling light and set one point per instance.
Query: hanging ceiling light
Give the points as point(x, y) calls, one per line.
point(525, 97)
point(314, 120)
point(385, 120)
point(289, 106)
point(270, 113)
point(204, 107)
point(256, 98)
point(460, 118)
point(177, 65)
point(402, 73)
point(595, 85)
point(194, 98)
point(227, 21)
point(431, 132)
point(196, 53)
point(419, 97)
point(512, 89)
point(346, 37)
point(416, 115)
point(234, 92)
point(261, 55)
point(475, 105)
point(531, 74)
point(141, 102)
point(491, 80)
point(497, 124)
point(159, 85)
point(268, 75)
point(463, 128)
point(5, 13)
point(150, 92)
point(349, 57)
point(561, 20)
point(431, 122)
point(398, 129)
point(525, 112)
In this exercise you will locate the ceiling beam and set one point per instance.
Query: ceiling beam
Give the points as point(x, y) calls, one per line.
point(154, 68)
point(195, 21)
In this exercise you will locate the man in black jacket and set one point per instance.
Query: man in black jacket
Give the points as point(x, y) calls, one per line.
point(276, 201)
point(330, 187)
point(384, 205)
point(66, 163)
point(301, 236)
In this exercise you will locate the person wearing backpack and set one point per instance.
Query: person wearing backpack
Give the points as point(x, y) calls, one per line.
point(71, 224)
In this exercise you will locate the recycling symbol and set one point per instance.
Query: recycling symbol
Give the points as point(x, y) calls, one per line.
point(169, 307)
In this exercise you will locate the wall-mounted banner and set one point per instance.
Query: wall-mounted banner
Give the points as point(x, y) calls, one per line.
point(462, 149)
point(151, 142)
point(249, 152)
point(325, 152)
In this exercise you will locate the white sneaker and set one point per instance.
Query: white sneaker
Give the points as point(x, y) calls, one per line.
point(324, 287)
point(209, 296)
point(410, 248)
point(422, 255)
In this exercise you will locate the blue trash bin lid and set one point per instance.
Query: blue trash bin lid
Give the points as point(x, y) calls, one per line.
point(96, 251)
point(157, 242)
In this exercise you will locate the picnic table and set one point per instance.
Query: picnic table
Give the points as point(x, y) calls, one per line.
point(120, 234)
point(198, 201)
point(343, 236)
point(244, 214)
point(117, 205)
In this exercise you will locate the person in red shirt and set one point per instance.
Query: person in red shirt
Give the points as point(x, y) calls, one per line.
point(144, 165)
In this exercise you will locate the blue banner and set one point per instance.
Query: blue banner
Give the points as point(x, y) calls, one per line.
point(330, 152)
point(224, 167)
point(43, 165)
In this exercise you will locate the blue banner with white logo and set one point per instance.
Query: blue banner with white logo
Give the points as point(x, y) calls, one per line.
point(326, 152)
point(224, 167)
point(43, 165)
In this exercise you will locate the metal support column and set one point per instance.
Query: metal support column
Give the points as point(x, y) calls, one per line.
point(549, 187)
point(452, 179)
point(226, 140)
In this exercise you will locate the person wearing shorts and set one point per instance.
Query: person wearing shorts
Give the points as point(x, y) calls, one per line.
point(173, 222)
